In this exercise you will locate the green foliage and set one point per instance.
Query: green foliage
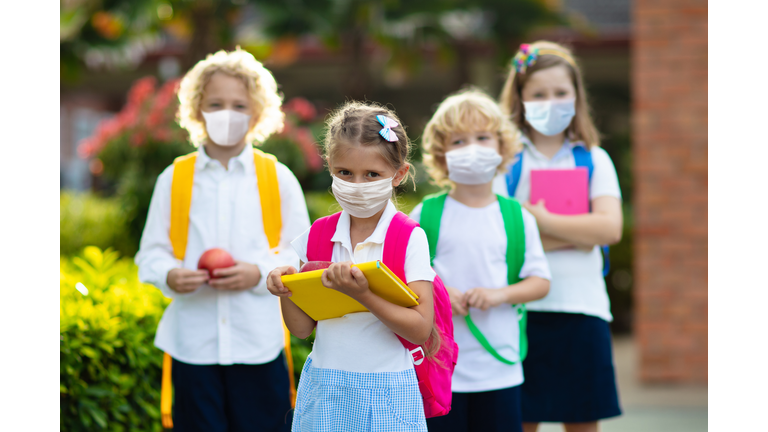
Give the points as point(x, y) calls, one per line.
point(109, 369)
point(87, 219)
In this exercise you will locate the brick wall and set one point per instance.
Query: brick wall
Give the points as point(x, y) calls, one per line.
point(669, 86)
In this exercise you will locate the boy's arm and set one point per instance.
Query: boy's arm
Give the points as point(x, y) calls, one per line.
point(155, 256)
point(534, 275)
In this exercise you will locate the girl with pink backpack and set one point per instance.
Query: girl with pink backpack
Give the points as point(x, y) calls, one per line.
point(390, 368)
point(487, 249)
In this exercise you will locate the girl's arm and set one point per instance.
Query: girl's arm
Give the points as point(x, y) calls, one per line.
point(553, 243)
point(414, 324)
point(298, 322)
point(602, 226)
point(529, 289)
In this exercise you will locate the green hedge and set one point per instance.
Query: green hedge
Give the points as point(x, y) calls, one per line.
point(110, 369)
point(86, 219)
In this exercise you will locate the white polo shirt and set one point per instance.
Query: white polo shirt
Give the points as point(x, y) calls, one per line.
point(472, 252)
point(208, 326)
point(359, 342)
point(577, 284)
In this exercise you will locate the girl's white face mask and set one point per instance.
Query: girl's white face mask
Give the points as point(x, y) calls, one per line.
point(473, 164)
point(362, 200)
point(226, 127)
point(550, 117)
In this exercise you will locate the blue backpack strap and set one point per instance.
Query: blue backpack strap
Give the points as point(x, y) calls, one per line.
point(513, 176)
point(583, 158)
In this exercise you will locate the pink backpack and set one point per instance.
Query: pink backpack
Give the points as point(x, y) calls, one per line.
point(434, 375)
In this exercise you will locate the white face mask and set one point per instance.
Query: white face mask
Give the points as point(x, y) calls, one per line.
point(550, 117)
point(473, 164)
point(362, 200)
point(226, 127)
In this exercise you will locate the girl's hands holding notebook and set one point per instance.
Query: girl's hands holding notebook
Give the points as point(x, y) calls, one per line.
point(275, 284)
point(347, 280)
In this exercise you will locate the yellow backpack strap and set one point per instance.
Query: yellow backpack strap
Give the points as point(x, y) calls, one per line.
point(181, 200)
point(269, 191)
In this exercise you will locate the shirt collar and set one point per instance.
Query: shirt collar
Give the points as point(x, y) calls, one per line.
point(245, 158)
point(566, 149)
point(379, 234)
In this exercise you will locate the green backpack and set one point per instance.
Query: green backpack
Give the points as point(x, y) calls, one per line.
point(511, 213)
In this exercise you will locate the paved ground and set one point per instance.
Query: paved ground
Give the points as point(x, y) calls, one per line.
point(657, 408)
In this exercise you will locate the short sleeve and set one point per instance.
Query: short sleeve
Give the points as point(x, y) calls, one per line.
point(604, 182)
point(417, 266)
point(299, 245)
point(535, 263)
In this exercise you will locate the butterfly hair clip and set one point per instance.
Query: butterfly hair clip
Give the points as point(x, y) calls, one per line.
point(386, 132)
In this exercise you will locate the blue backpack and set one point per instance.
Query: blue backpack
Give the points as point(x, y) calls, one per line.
point(583, 158)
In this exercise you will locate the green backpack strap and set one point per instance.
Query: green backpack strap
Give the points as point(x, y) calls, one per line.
point(511, 213)
point(431, 214)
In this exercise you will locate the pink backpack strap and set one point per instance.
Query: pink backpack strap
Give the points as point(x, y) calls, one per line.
point(319, 243)
point(396, 243)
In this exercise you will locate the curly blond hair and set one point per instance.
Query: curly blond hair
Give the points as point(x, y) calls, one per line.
point(469, 110)
point(259, 82)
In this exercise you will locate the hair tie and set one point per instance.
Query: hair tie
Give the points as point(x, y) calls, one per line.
point(386, 132)
point(528, 55)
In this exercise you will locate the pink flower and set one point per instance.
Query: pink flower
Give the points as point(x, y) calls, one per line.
point(301, 107)
point(307, 145)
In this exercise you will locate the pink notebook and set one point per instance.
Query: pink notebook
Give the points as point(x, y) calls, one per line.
point(564, 191)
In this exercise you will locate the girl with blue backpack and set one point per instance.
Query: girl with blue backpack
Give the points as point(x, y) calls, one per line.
point(389, 368)
point(486, 248)
point(569, 372)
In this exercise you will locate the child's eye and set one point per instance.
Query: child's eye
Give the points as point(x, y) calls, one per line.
point(457, 142)
point(240, 106)
point(561, 93)
point(344, 172)
point(538, 95)
point(483, 138)
point(374, 174)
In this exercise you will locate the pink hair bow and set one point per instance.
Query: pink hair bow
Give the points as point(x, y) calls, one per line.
point(386, 132)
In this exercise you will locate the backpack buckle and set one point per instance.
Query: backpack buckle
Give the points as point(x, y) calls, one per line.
point(417, 355)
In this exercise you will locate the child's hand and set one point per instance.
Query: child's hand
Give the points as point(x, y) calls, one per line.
point(538, 210)
point(239, 277)
point(458, 301)
point(275, 284)
point(484, 298)
point(344, 278)
point(184, 280)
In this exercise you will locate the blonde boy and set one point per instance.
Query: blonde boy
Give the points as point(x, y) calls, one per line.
point(223, 330)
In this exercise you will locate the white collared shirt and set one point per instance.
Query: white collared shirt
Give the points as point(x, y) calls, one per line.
point(472, 252)
point(208, 326)
point(359, 342)
point(577, 283)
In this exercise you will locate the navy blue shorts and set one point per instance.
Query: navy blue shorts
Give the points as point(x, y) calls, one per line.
point(233, 398)
point(496, 410)
point(569, 374)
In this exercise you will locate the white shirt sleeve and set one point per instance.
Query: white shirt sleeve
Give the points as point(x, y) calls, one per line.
point(295, 215)
point(604, 182)
point(299, 245)
point(535, 263)
point(155, 256)
point(417, 266)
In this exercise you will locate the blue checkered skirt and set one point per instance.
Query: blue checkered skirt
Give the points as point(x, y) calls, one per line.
point(337, 400)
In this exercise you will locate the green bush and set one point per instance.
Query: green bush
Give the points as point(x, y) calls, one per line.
point(109, 369)
point(87, 219)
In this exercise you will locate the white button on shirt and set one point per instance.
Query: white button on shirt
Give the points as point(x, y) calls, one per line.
point(359, 342)
point(209, 326)
point(577, 284)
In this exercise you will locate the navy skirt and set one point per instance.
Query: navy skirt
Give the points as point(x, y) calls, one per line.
point(569, 373)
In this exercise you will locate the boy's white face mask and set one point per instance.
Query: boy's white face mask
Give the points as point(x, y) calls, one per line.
point(362, 200)
point(550, 117)
point(226, 127)
point(473, 164)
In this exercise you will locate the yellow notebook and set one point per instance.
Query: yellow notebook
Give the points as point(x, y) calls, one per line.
point(322, 303)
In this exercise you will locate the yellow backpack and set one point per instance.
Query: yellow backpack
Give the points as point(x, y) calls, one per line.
point(181, 200)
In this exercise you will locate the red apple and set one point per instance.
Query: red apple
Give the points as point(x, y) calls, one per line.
point(315, 265)
point(213, 259)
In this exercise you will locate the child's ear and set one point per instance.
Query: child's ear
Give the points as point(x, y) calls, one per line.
point(400, 174)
